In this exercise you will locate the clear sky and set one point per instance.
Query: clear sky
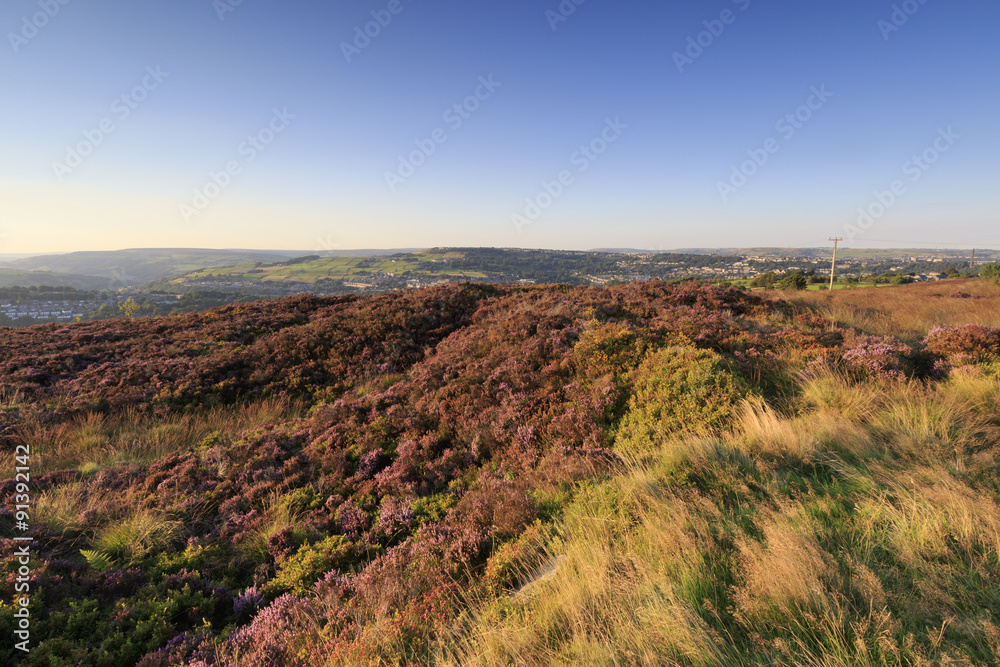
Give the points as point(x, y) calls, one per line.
point(265, 124)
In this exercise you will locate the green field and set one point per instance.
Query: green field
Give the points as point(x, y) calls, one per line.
point(416, 265)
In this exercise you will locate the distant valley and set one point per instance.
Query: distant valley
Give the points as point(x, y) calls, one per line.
point(154, 282)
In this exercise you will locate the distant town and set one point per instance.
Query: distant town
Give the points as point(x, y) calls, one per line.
point(141, 283)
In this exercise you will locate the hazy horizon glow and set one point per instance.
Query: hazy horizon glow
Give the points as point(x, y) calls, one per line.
point(516, 124)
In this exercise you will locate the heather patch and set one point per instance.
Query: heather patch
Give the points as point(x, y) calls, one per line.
point(344, 481)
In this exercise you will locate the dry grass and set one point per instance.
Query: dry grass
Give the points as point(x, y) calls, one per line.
point(62, 508)
point(853, 532)
point(279, 513)
point(136, 535)
point(617, 593)
point(786, 574)
point(94, 441)
point(907, 311)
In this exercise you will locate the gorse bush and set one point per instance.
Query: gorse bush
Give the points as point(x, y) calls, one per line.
point(678, 390)
point(299, 572)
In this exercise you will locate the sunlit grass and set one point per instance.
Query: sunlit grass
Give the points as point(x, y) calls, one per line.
point(850, 532)
point(907, 311)
point(94, 441)
point(135, 536)
point(280, 513)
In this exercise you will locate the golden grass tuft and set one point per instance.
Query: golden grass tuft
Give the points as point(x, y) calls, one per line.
point(786, 574)
point(279, 513)
point(618, 595)
point(136, 535)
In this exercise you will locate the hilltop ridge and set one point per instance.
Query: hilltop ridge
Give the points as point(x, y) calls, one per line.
point(354, 480)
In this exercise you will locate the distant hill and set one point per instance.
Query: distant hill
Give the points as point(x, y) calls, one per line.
point(486, 264)
point(16, 278)
point(386, 269)
point(362, 252)
point(12, 256)
point(137, 266)
point(627, 251)
point(859, 253)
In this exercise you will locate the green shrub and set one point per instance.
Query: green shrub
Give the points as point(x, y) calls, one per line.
point(609, 348)
point(433, 508)
point(679, 390)
point(215, 561)
point(302, 569)
point(792, 281)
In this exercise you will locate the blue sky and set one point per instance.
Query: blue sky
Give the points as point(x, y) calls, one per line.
point(252, 125)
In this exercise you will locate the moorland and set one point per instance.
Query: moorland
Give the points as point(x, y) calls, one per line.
point(478, 474)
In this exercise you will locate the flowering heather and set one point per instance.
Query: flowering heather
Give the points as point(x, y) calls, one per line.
point(248, 601)
point(967, 343)
point(442, 434)
point(884, 358)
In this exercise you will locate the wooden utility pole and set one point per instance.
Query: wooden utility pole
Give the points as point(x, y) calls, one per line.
point(833, 266)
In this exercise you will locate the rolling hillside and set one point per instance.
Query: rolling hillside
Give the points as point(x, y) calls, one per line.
point(501, 265)
point(643, 474)
point(20, 278)
point(138, 266)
